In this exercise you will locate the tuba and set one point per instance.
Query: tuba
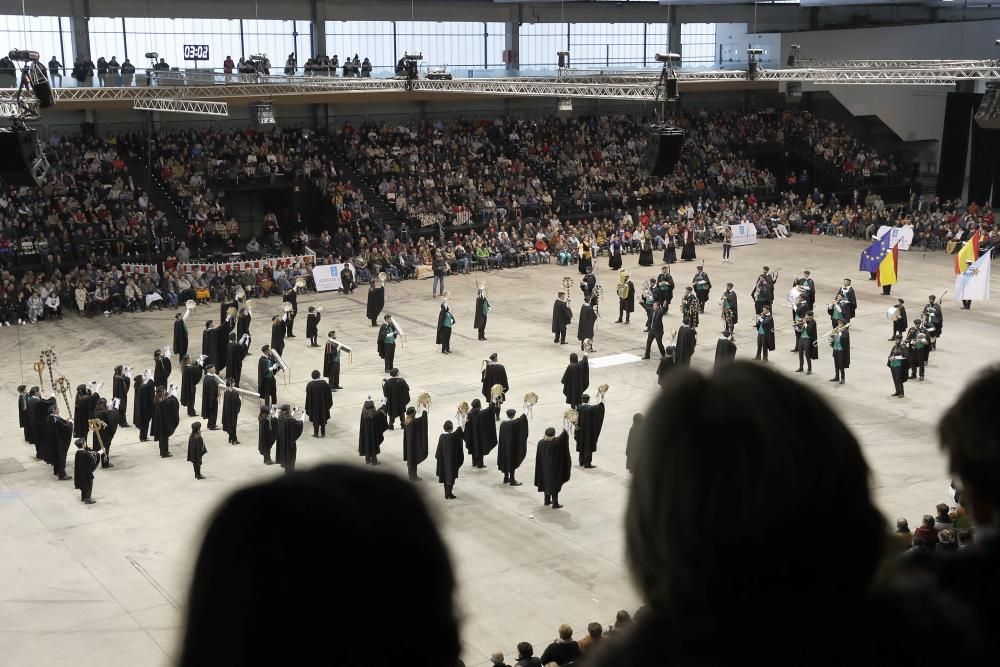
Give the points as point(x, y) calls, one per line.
point(623, 284)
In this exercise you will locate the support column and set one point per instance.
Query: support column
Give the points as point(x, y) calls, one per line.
point(317, 19)
point(674, 34)
point(512, 43)
point(80, 25)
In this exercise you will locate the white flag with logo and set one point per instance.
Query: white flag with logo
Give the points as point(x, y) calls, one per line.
point(973, 284)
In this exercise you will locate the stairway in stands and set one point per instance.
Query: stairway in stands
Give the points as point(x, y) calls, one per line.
point(160, 196)
point(381, 210)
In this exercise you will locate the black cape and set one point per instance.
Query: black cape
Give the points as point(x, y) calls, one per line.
point(376, 302)
point(231, 404)
point(585, 327)
point(111, 419)
point(190, 377)
point(552, 463)
point(60, 436)
point(561, 316)
point(588, 429)
point(196, 449)
point(768, 332)
point(84, 464)
point(143, 409)
point(482, 312)
point(312, 325)
point(83, 412)
point(632, 444)
point(180, 337)
point(684, 346)
point(371, 433)
point(513, 444)
point(331, 359)
point(450, 456)
point(725, 350)
point(161, 371)
point(443, 330)
point(481, 431)
point(319, 400)
point(813, 348)
point(286, 432)
point(397, 396)
point(38, 413)
point(730, 296)
point(266, 434)
point(278, 336)
point(119, 389)
point(210, 398)
point(415, 440)
point(494, 374)
point(166, 417)
point(628, 303)
point(235, 354)
point(845, 342)
point(213, 345)
point(667, 364)
point(575, 381)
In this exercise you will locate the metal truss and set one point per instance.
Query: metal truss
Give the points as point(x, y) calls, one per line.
point(182, 106)
point(537, 87)
point(28, 108)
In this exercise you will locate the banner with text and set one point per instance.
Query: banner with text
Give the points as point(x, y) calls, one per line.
point(143, 269)
point(253, 265)
point(327, 277)
point(903, 236)
point(745, 234)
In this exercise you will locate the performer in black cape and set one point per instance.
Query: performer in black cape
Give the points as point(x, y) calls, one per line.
point(331, 361)
point(267, 386)
point(210, 397)
point(808, 288)
point(634, 438)
point(60, 435)
point(120, 385)
point(655, 329)
point(690, 308)
point(22, 409)
point(397, 396)
point(664, 292)
point(84, 464)
point(730, 308)
point(808, 345)
point(552, 465)
point(166, 418)
point(312, 326)
point(319, 402)
point(231, 404)
point(161, 369)
point(588, 430)
point(287, 429)
point(143, 410)
point(376, 302)
point(725, 348)
point(626, 303)
point(840, 341)
point(513, 446)
point(216, 345)
point(196, 449)
point(445, 324)
point(575, 379)
point(480, 432)
point(763, 291)
point(236, 352)
point(494, 373)
point(208, 346)
point(292, 297)
point(243, 321)
point(561, 318)
point(371, 432)
point(702, 287)
point(181, 333)
point(83, 410)
point(450, 458)
point(799, 310)
point(414, 441)
point(190, 377)
point(109, 418)
point(278, 334)
point(687, 250)
point(764, 324)
point(685, 342)
point(387, 334)
point(847, 294)
point(918, 340)
point(482, 313)
point(899, 320)
point(667, 364)
point(585, 326)
point(838, 310)
point(898, 364)
point(588, 285)
point(266, 427)
point(38, 410)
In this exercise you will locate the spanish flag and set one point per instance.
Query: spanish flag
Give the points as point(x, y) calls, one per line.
point(969, 251)
point(888, 267)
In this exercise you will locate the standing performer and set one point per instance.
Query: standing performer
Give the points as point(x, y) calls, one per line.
point(120, 385)
point(444, 326)
point(181, 333)
point(22, 410)
point(702, 287)
point(763, 291)
point(319, 402)
point(287, 430)
point(585, 325)
point(371, 432)
point(267, 386)
point(588, 284)
point(266, 433)
point(190, 377)
point(166, 417)
point(626, 297)
point(799, 310)
point(764, 324)
point(655, 329)
point(552, 465)
point(331, 361)
point(808, 345)
point(849, 300)
point(387, 342)
point(397, 396)
point(561, 318)
point(376, 302)
point(575, 379)
point(414, 441)
point(513, 446)
point(161, 369)
point(39, 410)
point(312, 326)
point(210, 397)
point(243, 321)
point(664, 292)
point(347, 279)
point(196, 449)
point(60, 436)
point(920, 349)
point(109, 419)
point(482, 312)
point(292, 297)
point(83, 410)
point(838, 310)
point(670, 250)
point(480, 433)
point(494, 373)
point(690, 307)
point(898, 364)
point(236, 352)
point(142, 414)
point(590, 420)
point(615, 253)
point(898, 319)
point(807, 288)
point(634, 438)
point(277, 334)
point(725, 348)
point(935, 317)
point(840, 341)
point(684, 343)
point(231, 404)
point(450, 458)
point(687, 250)
point(586, 258)
point(667, 364)
point(208, 346)
point(84, 465)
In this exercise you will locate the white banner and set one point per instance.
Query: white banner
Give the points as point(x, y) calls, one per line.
point(327, 277)
point(897, 235)
point(745, 234)
point(973, 284)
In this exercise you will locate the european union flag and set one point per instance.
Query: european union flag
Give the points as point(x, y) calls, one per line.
point(873, 255)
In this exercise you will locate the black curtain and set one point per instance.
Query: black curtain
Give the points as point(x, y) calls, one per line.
point(955, 143)
point(984, 165)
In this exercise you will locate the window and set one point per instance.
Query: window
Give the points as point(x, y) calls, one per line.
point(698, 44)
point(457, 44)
point(37, 33)
point(368, 39)
point(540, 42)
point(657, 41)
point(276, 40)
point(167, 37)
point(593, 45)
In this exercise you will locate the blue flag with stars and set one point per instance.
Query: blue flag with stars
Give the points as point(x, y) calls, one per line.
point(873, 255)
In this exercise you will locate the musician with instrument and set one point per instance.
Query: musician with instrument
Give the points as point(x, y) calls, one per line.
point(590, 421)
point(849, 300)
point(588, 285)
point(690, 307)
point(763, 291)
point(196, 449)
point(586, 324)
point(84, 464)
point(655, 330)
point(799, 310)
point(807, 286)
point(445, 324)
point(287, 429)
point(664, 292)
point(319, 403)
point(190, 377)
point(291, 297)
point(494, 373)
point(371, 432)
point(236, 352)
point(376, 301)
point(166, 418)
point(387, 334)
point(648, 300)
point(277, 333)
point(552, 465)
point(397, 396)
point(840, 341)
point(415, 439)
point(120, 384)
point(84, 407)
point(808, 344)
point(575, 379)
point(450, 457)
point(897, 314)
point(142, 414)
point(482, 311)
point(730, 308)
point(626, 296)
point(838, 310)
point(684, 342)
point(266, 422)
point(267, 386)
point(512, 446)
point(898, 364)
point(702, 287)
point(918, 340)
point(210, 387)
point(331, 360)
point(313, 317)
point(764, 324)
point(180, 332)
point(935, 319)
point(562, 316)
point(725, 348)
point(60, 433)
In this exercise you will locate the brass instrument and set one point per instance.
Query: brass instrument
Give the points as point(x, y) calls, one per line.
point(798, 324)
point(239, 294)
point(424, 401)
point(570, 419)
point(588, 345)
point(601, 391)
point(282, 364)
point(622, 288)
point(837, 330)
point(96, 426)
point(190, 305)
point(496, 394)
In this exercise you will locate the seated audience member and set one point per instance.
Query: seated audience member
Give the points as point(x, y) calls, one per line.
point(563, 650)
point(526, 656)
point(595, 632)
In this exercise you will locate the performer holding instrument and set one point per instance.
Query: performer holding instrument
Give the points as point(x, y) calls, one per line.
point(626, 296)
point(840, 341)
point(482, 309)
point(763, 291)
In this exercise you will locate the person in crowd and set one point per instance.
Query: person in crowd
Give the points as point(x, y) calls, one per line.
point(563, 650)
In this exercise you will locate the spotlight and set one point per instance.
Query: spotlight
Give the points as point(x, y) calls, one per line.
point(563, 59)
point(23, 161)
point(152, 55)
point(262, 113)
point(565, 104)
point(752, 62)
point(793, 56)
point(17, 54)
point(988, 113)
point(668, 57)
point(38, 81)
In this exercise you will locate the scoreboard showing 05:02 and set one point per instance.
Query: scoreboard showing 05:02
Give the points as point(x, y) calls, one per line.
point(196, 52)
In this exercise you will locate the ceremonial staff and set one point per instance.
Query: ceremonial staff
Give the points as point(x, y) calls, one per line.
point(38, 366)
point(96, 426)
point(61, 385)
point(49, 355)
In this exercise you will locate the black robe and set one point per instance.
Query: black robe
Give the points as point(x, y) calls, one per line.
point(813, 347)
point(845, 343)
point(144, 404)
point(243, 325)
point(265, 376)
point(312, 325)
point(319, 400)
point(111, 419)
point(725, 350)
point(632, 444)
point(513, 444)
point(768, 324)
point(397, 397)
point(481, 431)
point(588, 429)
point(850, 308)
point(37, 413)
point(331, 361)
point(83, 412)
point(190, 377)
point(450, 456)
point(22, 413)
point(161, 371)
point(664, 292)
point(482, 312)
point(687, 338)
point(585, 327)
point(180, 337)
point(278, 336)
point(575, 380)
point(60, 436)
point(383, 331)
point(628, 303)
point(730, 296)
point(667, 364)
point(552, 463)
point(196, 449)
point(84, 464)
point(235, 353)
point(166, 417)
point(376, 302)
point(208, 345)
point(119, 389)
point(218, 338)
point(494, 374)
point(231, 404)
point(286, 433)
point(266, 434)
point(561, 316)
point(371, 433)
point(210, 398)
point(415, 440)
point(444, 332)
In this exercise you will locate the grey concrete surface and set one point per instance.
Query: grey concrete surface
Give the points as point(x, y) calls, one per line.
point(110, 579)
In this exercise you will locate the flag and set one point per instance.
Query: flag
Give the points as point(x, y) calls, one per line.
point(872, 256)
point(888, 268)
point(969, 251)
point(973, 284)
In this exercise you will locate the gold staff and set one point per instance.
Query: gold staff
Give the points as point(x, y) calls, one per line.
point(61, 385)
point(38, 366)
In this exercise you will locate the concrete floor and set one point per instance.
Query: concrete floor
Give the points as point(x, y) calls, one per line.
point(110, 579)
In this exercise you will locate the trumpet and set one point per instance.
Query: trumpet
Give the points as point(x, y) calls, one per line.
point(830, 333)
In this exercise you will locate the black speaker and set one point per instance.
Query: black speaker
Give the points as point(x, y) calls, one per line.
point(21, 163)
point(88, 129)
point(663, 150)
point(39, 81)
